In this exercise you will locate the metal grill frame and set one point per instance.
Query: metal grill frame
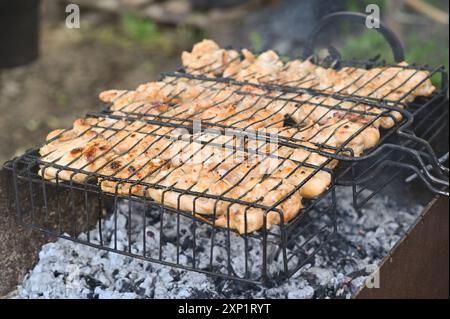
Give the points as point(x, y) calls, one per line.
point(30, 192)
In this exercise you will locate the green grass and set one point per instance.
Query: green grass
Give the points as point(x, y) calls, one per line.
point(256, 40)
point(360, 5)
point(418, 49)
point(422, 51)
point(133, 32)
point(62, 100)
point(139, 29)
point(367, 45)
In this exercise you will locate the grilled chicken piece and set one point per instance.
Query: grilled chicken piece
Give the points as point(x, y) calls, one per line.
point(209, 182)
point(321, 110)
point(394, 83)
point(354, 134)
point(225, 107)
point(202, 149)
point(335, 132)
point(195, 172)
point(298, 73)
point(152, 98)
point(80, 148)
point(134, 166)
point(246, 219)
point(313, 181)
point(208, 58)
point(85, 153)
point(305, 109)
point(132, 156)
point(263, 68)
point(93, 144)
point(150, 92)
point(230, 175)
point(195, 178)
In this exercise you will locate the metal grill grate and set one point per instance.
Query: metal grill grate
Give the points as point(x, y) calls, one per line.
point(245, 122)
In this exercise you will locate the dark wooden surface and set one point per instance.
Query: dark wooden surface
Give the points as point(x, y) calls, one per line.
point(19, 247)
point(418, 267)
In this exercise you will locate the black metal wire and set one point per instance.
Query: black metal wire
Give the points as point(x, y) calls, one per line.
point(134, 120)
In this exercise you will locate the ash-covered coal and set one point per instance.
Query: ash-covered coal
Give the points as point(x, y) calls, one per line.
point(70, 270)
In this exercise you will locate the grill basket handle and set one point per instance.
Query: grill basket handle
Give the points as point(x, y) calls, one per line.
point(388, 34)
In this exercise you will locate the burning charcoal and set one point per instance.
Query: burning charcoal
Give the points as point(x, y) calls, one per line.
point(140, 291)
point(105, 294)
point(358, 282)
point(176, 275)
point(93, 283)
point(187, 242)
point(201, 294)
point(320, 292)
point(332, 273)
point(305, 293)
point(322, 276)
point(91, 295)
point(126, 286)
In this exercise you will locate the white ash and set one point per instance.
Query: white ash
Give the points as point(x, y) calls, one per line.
point(70, 270)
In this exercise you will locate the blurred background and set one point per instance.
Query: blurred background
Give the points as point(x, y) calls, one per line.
point(51, 74)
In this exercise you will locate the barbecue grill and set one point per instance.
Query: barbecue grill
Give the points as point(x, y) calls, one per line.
point(281, 250)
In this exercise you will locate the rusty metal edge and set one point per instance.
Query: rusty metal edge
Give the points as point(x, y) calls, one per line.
point(386, 261)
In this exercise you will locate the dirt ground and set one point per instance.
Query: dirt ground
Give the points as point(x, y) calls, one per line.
point(76, 64)
point(64, 83)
